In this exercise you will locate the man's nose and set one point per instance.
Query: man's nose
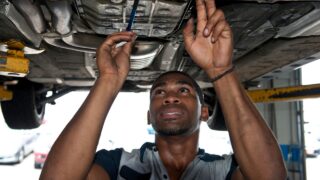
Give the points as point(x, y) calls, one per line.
point(171, 98)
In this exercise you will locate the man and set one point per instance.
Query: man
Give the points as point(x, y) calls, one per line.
point(175, 112)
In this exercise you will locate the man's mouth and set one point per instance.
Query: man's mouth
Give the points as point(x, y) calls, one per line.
point(171, 114)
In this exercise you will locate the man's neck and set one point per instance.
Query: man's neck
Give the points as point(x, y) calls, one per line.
point(176, 152)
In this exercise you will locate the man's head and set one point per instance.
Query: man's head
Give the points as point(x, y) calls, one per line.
point(176, 105)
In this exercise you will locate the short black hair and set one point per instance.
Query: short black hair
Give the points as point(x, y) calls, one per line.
point(194, 83)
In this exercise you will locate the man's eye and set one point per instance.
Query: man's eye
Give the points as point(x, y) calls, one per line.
point(184, 90)
point(159, 92)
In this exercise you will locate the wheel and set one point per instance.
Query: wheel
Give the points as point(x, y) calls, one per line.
point(216, 120)
point(24, 111)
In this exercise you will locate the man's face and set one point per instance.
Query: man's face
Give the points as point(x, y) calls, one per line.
point(175, 108)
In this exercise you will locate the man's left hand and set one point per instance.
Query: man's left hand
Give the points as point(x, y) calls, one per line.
point(210, 46)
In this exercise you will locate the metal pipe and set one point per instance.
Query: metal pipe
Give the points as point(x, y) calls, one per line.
point(60, 93)
point(61, 15)
point(32, 13)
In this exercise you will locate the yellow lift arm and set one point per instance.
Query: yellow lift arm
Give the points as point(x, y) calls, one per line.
point(293, 93)
point(13, 63)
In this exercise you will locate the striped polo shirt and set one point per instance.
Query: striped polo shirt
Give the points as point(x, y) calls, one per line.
point(145, 163)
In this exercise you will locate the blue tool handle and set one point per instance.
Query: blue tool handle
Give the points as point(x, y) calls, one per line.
point(133, 14)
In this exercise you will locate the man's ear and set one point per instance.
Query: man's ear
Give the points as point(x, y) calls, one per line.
point(148, 117)
point(204, 113)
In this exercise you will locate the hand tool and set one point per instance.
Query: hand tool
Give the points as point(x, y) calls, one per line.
point(131, 19)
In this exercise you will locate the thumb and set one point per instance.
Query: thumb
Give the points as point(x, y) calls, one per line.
point(188, 34)
point(127, 48)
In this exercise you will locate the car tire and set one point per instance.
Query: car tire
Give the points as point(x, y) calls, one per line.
point(216, 121)
point(23, 111)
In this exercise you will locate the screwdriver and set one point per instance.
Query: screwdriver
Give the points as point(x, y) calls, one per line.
point(131, 19)
point(133, 14)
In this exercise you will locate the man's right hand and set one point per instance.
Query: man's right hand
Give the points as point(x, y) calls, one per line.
point(114, 61)
point(72, 154)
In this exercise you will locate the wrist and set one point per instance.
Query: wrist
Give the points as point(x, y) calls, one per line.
point(217, 73)
point(111, 81)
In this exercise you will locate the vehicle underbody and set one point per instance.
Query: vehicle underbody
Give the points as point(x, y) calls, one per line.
point(269, 37)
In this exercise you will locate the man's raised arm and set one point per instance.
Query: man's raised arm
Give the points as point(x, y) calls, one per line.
point(256, 149)
point(72, 154)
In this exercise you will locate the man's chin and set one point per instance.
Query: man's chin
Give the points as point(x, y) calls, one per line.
point(171, 132)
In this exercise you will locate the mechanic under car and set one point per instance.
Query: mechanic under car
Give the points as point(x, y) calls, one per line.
point(175, 112)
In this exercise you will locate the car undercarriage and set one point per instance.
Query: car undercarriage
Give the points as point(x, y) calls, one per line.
point(60, 38)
